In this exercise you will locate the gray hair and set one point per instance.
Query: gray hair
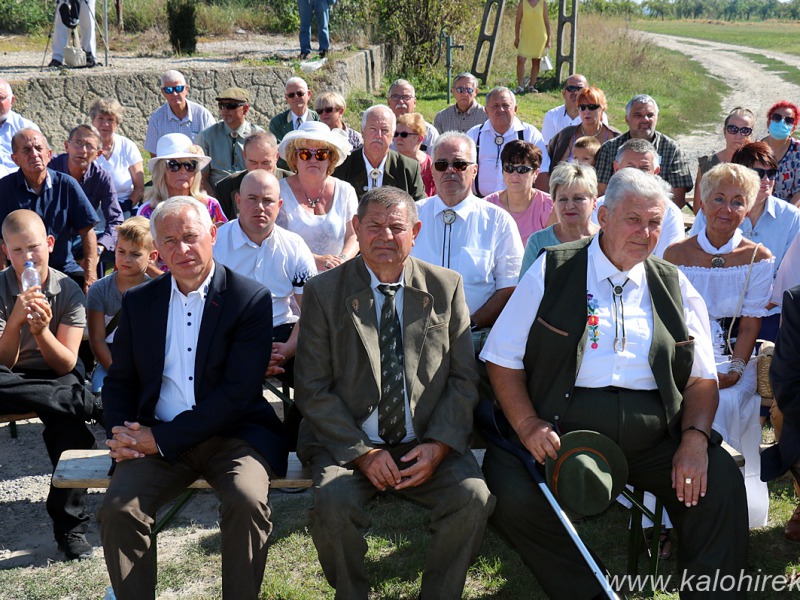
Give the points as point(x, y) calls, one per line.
point(640, 99)
point(6, 85)
point(499, 90)
point(631, 181)
point(87, 127)
point(466, 75)
point(379, 108)
point(294, 80)
point(572, 173)
point(389, 197)
point(399, 82)
point(175, 205)
point(260, 137)
point(106, 106)
point(171, 75)
point(456, 136)
point(638, 146)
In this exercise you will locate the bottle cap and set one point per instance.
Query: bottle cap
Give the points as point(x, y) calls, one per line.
point(28, 263)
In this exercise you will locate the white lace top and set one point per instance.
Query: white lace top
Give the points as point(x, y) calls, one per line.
point(324, 234)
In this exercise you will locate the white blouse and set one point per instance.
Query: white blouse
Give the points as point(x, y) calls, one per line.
point(124, 155)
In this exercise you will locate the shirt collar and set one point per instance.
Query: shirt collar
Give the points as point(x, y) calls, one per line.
point(604, 268)
point(516, 125)
point(369, 167)
point(374, 282)
point(48, 182)
point(239, 238)
point(173, 117)
point(201, 291)
point(463, 209)
point(771, 207)
point(472, 108)
point(241, 132)
point(293, 116)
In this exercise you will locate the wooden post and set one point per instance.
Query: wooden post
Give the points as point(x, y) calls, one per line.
point(566, 53)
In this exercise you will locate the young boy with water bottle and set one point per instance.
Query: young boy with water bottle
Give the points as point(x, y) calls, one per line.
point(41, 328)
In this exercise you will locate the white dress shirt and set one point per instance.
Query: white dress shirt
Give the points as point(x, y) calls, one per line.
point(370, 426)
point(11, 124)
point(282, 263)
point(483, 245)
point(371, 183)
point(180, 349)
point(601, 365)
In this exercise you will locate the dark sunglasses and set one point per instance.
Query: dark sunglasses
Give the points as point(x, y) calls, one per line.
point(588, 106)
point(173, 89)
point(776, 118)
point(327, 110)
point(733, 130)
point(403, 134)
point(462, 90)
point(458, 165)
point(771, 174)
point(573, 88)
point(175, 165)
point(521, 169)
point(291, 95)
point(230, 105)
point(320, 155)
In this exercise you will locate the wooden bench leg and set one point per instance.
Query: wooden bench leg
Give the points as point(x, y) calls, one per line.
point(164, 521)
point(12, 429)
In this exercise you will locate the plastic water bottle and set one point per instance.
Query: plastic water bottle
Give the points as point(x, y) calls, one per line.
point(30, 276)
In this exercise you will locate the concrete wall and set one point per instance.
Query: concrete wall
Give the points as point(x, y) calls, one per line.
point(58, 104)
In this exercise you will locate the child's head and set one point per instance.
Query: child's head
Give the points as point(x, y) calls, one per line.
point(585, 149)
point(135, 249)
point(25, 238)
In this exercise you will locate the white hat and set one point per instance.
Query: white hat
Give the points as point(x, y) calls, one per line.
point(178, 145)
point(317, 131)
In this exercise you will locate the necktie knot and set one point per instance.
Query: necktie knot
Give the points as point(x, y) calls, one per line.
point(388, 289)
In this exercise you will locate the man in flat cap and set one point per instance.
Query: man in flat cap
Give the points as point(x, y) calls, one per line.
point(224, 141)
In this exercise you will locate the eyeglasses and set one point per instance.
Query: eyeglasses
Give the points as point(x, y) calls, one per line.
point(230, 105)
point(771, 174)
point(321, 154)
point(588, 106)
point(404, 134)
point(175, 165)
point(458, 165)
point(734, 130)
point(398, 97)
point(465, 90)
point(521, 169)
point(776, 118)
point(327, 110)
point(83, 145)
point(573, 88)
point(299, 94)
point(173, 89)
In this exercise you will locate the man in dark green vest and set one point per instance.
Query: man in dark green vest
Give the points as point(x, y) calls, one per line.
point(600, 335)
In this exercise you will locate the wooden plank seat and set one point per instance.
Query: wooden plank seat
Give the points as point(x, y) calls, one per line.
point(12, 421)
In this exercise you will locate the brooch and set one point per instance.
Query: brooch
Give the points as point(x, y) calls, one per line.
point(592, 320)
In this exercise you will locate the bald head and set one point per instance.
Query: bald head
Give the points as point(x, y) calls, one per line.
point(23, 220)
point(6, 97)
point(259, 203)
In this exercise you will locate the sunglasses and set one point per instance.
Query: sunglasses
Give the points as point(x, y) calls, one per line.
point(398, 98)
point(733, 130)
point(458, 165)
point(173, 89)
point(771, 174)
point(588, 106)
point(230, 105)
point(175, 165)
point(327, 110)
point(776, 118)
point(463, 90)
point(306, 154)
point(291, 95)
point(403, 134)
point(573, 88)
point(521, 169)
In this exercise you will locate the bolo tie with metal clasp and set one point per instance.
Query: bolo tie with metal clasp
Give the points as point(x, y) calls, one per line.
point(619, 315)
point(449, 217)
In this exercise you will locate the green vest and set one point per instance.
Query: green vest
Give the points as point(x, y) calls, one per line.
point(558, 335)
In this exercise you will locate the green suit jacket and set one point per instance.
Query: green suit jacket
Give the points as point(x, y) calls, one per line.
point(399, 171)
point(337, 366)
point(283, 123)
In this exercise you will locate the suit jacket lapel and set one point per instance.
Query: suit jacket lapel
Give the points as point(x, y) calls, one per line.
point(389, 170)
point(211, 312)
point(156, 343)
point(361, 307)
point(417, 308)
point(358, 173)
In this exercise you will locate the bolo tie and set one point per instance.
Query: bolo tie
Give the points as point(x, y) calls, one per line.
point(374, 175)
point(619, 315)
point(498, 141)
point(449, 217)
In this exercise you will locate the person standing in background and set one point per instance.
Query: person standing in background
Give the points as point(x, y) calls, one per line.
point(532, 40)
point(321, 8)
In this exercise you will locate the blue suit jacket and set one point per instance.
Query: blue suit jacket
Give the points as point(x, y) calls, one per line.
point(232, 356)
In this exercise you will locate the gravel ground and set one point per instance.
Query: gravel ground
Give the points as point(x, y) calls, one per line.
point(25, 530)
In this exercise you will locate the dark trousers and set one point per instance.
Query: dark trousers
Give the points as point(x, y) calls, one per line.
point(62, 431)
point(712, 535)
point(139, 487)
point(20, 394)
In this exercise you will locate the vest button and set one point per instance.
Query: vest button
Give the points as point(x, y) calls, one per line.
point(566, 395)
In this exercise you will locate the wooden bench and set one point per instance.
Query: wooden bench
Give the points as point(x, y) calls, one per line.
point(90, 469)
point(12, 421)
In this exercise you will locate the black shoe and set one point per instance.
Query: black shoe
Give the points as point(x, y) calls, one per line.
point(323, 53)
point(55, 63)
point(97, 409)
point(91, 61)
point(74, 546)
point(304, 55)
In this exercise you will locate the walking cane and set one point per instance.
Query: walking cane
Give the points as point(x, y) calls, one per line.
point(485, 417)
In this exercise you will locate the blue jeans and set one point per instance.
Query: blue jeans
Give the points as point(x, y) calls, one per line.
point(306, 8)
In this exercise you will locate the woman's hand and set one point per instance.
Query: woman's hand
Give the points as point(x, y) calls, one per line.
point(727, 380)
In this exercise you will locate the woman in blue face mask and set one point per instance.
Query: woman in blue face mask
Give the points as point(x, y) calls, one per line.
point(782, 121)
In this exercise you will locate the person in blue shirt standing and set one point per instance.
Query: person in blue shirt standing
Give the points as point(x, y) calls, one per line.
point(321, 8)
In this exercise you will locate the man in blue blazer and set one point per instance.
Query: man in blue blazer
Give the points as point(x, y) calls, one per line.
point(183, 399)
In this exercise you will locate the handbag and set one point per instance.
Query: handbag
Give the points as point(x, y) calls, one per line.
point(547, 64)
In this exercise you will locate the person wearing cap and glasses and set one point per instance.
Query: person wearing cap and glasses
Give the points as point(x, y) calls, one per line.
point(178, 114)
point(385, 378)
point(223, 141)
point(377, 164)
point(466, 112)
point(600, 335)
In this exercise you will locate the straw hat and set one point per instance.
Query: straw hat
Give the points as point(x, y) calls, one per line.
point(178, 145)
point(317, 131)
point(589, 473)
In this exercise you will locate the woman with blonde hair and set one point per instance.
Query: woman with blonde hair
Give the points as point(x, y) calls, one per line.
point(330, 107)
point(408, 136)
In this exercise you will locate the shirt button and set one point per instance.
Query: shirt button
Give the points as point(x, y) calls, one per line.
point(189, 324)
point(191, 378)
point(189, 314)
point(189, 349)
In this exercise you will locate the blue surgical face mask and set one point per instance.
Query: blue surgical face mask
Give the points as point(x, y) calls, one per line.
point(780, 130)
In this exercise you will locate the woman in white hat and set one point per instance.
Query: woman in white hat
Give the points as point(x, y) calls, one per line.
point(176, 172)
point(316, 206)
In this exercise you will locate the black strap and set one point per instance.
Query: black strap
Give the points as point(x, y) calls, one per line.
point(112, 324)
point(520, 137)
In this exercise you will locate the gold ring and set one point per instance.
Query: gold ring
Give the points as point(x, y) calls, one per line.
point(688, 481)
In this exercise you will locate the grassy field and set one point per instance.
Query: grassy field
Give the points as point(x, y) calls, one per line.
point(781, 36)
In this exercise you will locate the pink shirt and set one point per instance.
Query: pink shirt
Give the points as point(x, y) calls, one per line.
point(533, 218)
